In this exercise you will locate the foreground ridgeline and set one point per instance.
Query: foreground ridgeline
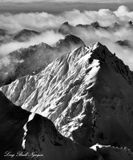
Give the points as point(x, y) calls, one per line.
point(86, 94)
point(24, 135)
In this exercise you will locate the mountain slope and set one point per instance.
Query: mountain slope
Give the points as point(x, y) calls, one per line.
point(86, 93)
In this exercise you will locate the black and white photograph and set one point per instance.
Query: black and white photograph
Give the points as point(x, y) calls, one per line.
point(66, 79)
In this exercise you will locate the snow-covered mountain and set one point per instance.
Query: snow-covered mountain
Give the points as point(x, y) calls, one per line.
point(86, 93)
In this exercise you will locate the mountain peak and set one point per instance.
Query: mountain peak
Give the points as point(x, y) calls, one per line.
point(79, 92)
point(101, 53)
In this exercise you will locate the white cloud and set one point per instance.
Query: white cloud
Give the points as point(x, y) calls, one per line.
point(44, 21)
point(37, 21)
point(109, 39)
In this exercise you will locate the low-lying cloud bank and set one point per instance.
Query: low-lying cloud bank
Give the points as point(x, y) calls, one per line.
point(114, 27)
point(43, 21)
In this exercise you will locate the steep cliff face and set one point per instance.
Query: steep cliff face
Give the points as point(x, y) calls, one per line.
point(86, 93)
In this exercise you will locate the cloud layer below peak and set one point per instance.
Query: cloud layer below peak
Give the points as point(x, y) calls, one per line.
point(114, 27)
point(42, 21)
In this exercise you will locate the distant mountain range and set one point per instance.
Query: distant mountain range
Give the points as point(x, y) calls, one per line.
point(21, 36)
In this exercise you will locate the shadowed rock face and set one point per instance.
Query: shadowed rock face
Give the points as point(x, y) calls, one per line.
point(12, 119)
point(87, 94)
point(43, 138)
point(22, 133)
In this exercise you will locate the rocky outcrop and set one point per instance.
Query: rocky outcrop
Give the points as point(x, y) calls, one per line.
point(86, 93)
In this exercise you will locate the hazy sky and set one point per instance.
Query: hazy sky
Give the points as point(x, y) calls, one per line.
point(58, 6)
point(86, 1)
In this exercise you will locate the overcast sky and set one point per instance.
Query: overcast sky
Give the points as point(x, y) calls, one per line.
point(86, 1)
point(58, 6)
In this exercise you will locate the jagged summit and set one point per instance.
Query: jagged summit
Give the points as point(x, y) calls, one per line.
point(102, 53)
point(87, 94)
point(79, 92)
point(65, 28)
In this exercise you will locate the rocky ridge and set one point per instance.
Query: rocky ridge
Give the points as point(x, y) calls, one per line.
point(86, 93)
point(18, 63)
